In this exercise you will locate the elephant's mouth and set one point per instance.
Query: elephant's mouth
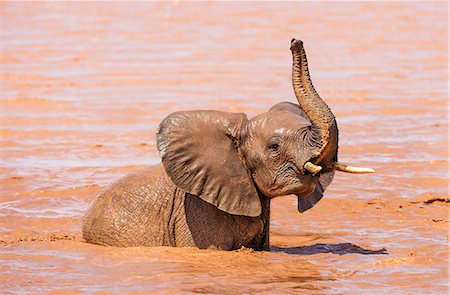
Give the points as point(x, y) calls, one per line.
point(294, 182)
point(309, 183)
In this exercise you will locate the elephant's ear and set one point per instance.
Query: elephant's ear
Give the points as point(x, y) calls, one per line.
point(306, 203)
point(199, 153)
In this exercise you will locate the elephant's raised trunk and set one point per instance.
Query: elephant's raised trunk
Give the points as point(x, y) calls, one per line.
point(324, 126)
point(323, 121)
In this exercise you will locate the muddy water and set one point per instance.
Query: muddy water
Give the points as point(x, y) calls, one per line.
point(84, 86)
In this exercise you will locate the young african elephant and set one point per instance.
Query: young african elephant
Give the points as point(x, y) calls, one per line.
point(220, 170)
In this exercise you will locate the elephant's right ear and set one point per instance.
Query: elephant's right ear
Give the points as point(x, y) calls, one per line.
point(199, 153)
point(306, 203)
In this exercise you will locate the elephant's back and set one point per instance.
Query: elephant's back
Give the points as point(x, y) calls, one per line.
point(132, 211)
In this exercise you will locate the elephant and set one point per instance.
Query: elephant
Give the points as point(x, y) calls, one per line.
point(219, 172)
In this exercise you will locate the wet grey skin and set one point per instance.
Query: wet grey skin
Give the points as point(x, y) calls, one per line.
point(219, 172)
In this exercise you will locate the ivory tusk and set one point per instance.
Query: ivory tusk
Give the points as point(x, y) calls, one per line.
point(312, 168)
point(351, 169)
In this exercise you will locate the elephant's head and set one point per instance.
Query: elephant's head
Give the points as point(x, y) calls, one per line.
point(226, 159)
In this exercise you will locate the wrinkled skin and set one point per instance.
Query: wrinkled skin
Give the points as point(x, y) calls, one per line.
point(220, 170)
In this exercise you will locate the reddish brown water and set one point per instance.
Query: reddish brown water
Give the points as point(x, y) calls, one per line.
point(84, 86)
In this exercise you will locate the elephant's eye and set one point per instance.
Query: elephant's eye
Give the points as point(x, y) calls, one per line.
point(273, 144)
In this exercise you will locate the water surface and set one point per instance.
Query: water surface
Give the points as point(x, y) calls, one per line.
point(85, 85)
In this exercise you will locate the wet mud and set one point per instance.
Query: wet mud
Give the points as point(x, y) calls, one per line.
point(84, 86)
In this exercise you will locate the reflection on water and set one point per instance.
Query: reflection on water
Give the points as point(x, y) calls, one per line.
point(84, 86)
point(340, 249)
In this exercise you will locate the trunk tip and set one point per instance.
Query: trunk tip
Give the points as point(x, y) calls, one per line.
point(296, 44)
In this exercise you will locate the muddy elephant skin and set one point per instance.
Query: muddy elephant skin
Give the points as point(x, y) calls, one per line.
point(219, 172)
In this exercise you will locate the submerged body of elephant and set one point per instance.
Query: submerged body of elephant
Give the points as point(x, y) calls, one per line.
point(220, 170)
point(160, 214)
